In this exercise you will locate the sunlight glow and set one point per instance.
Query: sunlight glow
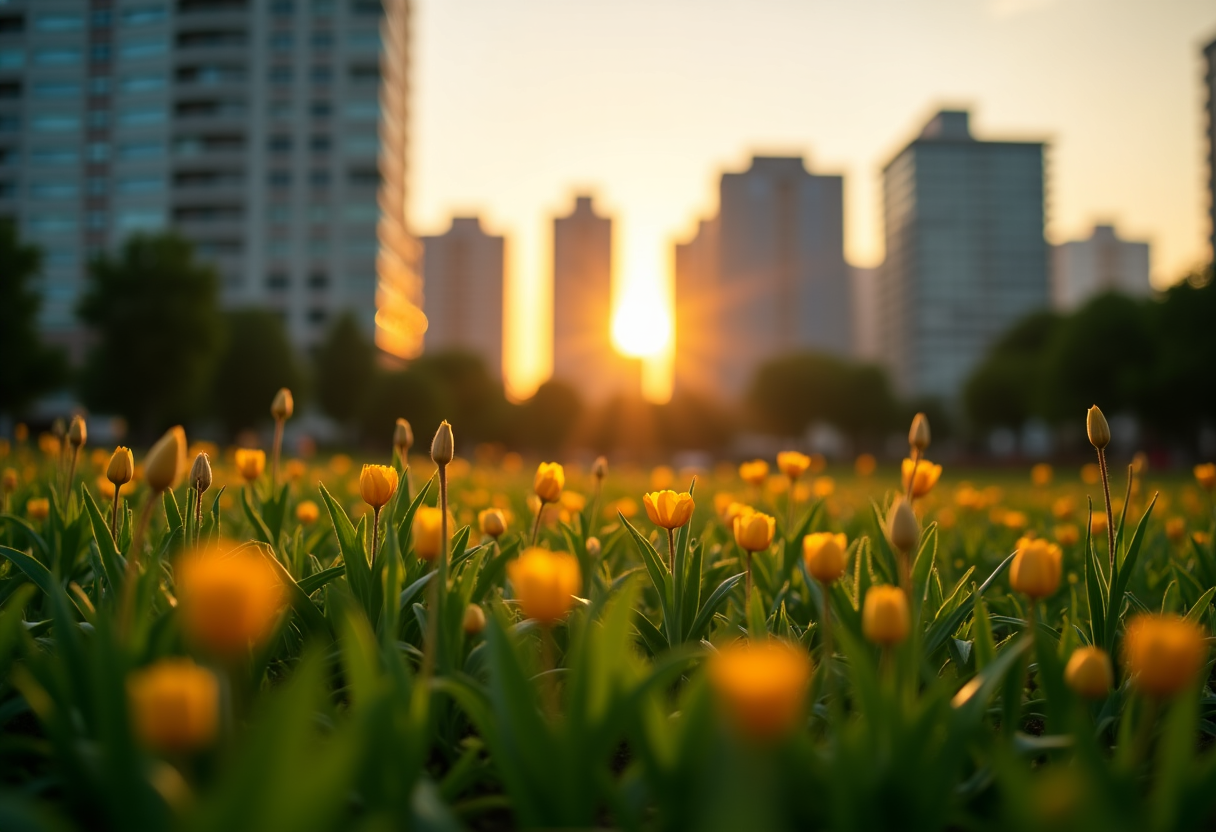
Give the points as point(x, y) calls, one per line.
point(641, 327)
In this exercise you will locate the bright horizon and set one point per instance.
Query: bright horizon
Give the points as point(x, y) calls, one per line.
point(518, 107)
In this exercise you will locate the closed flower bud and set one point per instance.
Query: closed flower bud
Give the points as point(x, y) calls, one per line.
point(442, 447)
point(754, 472)
point(1097, 428)
point(250, 462)
point(761, 687)
point(1089, 672)
point(228, 600)
point(884, 616)
point(903, 529)
point(825, 555)
point(403, 438)
point(9, 481)
point(474, 620)
point(377, 484)
point(283, 405)
point(918, 434)
point(77, 432)
point(1036, 568)
point(549, 481)
point(793, 464)
point(545, 583)
point(200, 473)
point(165, 463)
point(1163, 654)
point(1205, 475)
point(121, 469)
point(1040, 474)
point(38, 508)
point(492, 522)
point(593, 547)
point(668, 509)
point(754, 530)
point(599, 468)
point(174, 706)
point(1067, 534)
point(427, 532)
point(1175, 529)
point(307, 512)
point(927, 475)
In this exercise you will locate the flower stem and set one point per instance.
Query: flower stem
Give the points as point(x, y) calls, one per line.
point(671, 553)
point(278, 443)
point(536, 525)
point(1110, 515)
point(114, 518)
point(912, 478)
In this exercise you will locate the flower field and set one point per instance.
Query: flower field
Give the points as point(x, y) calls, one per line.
point(201, 639)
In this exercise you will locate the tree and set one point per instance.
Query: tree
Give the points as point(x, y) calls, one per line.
point(28, 367)
point(411, 394)
point(154, 311)
point(257, 360)
point(344, 368)
point(789, 393)
point(1179, 393)
point(547, 420)
point(1006, 388)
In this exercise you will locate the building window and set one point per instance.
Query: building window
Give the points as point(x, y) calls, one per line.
point(99, 53)
point(141, 220)
point(12, 58)
point(58, 22)
point(320, 109)
point(135, 116)
point(96, 186)
point(279, 144)
point(142, 83)
point(282, 8)
point(323, 8)
point(143, 48)
point(318, 280)
point(319, 178)
point(280, 75)
point(278, 213)
point(97, 152)
point(280, 109)
point(279, 179)
point(99, 85)
point(53, 190)
point(281, 41)
point(98, 119)
point(316, 316)
point(143, 15)
point(321, 74)
point(366, 7)
point(57, 89)
point(143, 150)
point(55, 123)
point(97, 220)
point(278, 248)
point(319, 144)
point(102, 19)
point(54, 155)
point(322, 40)
point(141, 184)
point(318, 213)
point(57, 56)
point(278, 281)
point(10, 123)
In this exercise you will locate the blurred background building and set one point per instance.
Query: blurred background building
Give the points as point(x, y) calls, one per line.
point(863, 285)
point(1081, 269)
point(271, 133)
point(462, 282)
point(965, 252)
point(1209, 54)
point(583, 353)
point(767, 276)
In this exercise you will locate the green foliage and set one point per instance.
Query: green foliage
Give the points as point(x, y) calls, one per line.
point(29, 368)
point(789, 393)
point(256, 361)
point(154, 312)
point(344, 366)
point(547, 420)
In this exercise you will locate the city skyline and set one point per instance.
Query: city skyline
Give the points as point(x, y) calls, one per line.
point(650, 133)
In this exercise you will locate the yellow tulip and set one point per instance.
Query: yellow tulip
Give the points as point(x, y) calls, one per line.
point(1040, 474)
point(1089, 672)
point(1064, 508)
point(668, 509)
point(492, 522)
point(250, 463)
point(307, 512)
point(793, 464)
point(884, 616)
point(9, 481)
point(754, 530)
point(1163, 654)
point(549, 481)
point(38, 508)
point(1091, 474)
point(377, 483)
point(545, 583)
point(474, 619)
point(761, 687)
point(174, 705)
point(295, 469)
point(1175, 529)
point(427, 532)
point(927, 475)
point(1036, 568)
point(754, 472)
point(826, 555)
point(1067, 534)
point(166, 462)
point(228, 599)
point(865, 465)
point(1097, 524)
point(1205, 475)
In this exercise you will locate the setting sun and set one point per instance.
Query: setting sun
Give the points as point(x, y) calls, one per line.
point(641, 327)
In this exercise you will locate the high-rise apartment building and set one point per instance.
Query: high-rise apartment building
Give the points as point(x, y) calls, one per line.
point(271, 133)
point(583, 353)
point(462, 287)
point(1081, 269)
point(766, 277)
point(1209, 54)
point(966, 257)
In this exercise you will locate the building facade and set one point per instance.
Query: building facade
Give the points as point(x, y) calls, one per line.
point(1081, 269)
point(965, 253)
point(766, 277)
point(583, 353)
point(462, 287)
point(271, 133)
point(1209, 54)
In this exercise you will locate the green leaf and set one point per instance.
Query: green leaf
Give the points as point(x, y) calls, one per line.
point(1122, 576)
point(1195, 615)
point(111, 562)
point(659, 575)
point(311, 617)
point(943, 628)
point(317, 580)
point(260, 529)
point(704, 615)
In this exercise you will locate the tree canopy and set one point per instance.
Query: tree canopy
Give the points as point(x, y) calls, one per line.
point(29, 368)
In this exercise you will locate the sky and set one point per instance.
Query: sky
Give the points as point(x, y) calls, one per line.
point(520, 104)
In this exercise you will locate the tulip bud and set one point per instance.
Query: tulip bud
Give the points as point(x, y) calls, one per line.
point(593, 547)
point(599, 468)
point(549, 481)
point(884, 616)
point(122, 466)
point(826, 555)
point(59, 428)
point(38, 508)
point(903, 529)
point(77, 432)
point(761, 687)
point(200, 473)
point(307, 512)
point(492, 522)
point(1089, 672)
point(1036, 568)
point(442, 449)
point(403, 438)
point(174, 705)
point(283, 405)
point(545, 583)
point(474, 620)
point(164, 462)
point(1098, 429)
point(9, 481)
point(1163, 654)
point(377, 483)
point(918, 434)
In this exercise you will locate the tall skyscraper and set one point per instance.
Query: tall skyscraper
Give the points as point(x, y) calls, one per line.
point(966, 257)
point(462, 287)
point(1081, 269)
point(766, 277)
point(271, 133)
point(864, 285)
point(1209, 53)
point(583, 354)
